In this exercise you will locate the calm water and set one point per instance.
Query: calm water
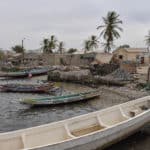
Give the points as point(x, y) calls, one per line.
point(14, 115)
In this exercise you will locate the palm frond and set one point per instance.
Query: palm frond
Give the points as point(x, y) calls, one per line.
point(110, 28)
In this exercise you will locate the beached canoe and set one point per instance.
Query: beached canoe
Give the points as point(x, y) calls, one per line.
point(53, 100)
point(86, 132)
point(27, 88)
point(27, 73)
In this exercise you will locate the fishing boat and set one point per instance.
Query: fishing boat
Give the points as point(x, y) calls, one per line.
point(53, 100)
point(86, 132)
point(27, 88)
point(25, 73)
point(18, 74)
point(40, 71)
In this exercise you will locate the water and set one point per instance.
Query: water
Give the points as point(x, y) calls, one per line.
point(14, 115)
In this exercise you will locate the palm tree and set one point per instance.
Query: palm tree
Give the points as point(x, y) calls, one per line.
point(87, 46)
point(61, 47)
point(93, 42)
point(2, 55)
point(45, 46)
point(147, 40)
point(52, 43)
point(110, 29)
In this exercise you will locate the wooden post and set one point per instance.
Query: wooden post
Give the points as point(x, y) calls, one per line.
point(148, 75)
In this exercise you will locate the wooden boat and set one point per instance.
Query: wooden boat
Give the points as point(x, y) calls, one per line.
point(53, 100)
point(26, 73)
point(18, 74)
point(27, 88)
point(40, 71)
point(86, 132)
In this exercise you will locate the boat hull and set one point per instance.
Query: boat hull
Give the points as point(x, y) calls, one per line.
point(64, 101)
point(25, 74)
point(105, 138)
point(23, 88)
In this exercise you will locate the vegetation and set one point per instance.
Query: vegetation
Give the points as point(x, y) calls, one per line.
point(45, 46)
point(124, 46)
point(110, 30)
point(52, 43)
point(49, 45)
point(61, 47)
point(86, 46)
point(1, 55)
point(18, 49)
point(91, 43)
point(72, 50)
point(147, 40)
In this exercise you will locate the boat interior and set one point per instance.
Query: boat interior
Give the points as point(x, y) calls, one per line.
point(76, 127)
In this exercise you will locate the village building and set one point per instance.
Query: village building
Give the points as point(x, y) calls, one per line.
point(104, 58)
point(33, 58)
point(137, 55)
point(77, 59)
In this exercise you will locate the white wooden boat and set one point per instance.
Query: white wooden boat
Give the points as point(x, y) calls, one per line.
point(87, 132)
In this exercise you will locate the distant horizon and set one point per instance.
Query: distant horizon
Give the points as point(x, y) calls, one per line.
point(71, 21)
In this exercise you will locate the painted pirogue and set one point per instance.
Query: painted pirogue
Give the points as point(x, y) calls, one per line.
point(53, 100)
point(28, 88)
point(25, 73)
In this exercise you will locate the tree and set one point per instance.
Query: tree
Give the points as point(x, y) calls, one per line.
point(110, 29)
point(18, 49)
point(61, 47)
point(72, 50)
point(124, 46)
point(93, 42)
point(45, 46)
point(52, 43)
point(2, 55)
point(147, 40)
point(87, 46)
point(49, 44)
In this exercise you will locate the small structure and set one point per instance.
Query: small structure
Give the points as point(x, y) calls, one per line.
point(138, 55)
point(104, 58)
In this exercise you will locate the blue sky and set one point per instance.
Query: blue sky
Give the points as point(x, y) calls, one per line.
point(72, 21)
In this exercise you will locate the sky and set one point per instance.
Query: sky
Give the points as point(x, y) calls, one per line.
point(71, 21)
